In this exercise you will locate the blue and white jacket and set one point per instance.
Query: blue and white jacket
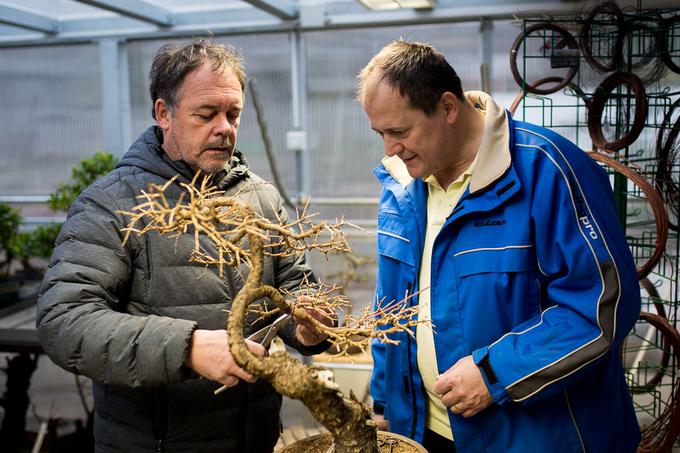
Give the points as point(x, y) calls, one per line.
point(532, 276)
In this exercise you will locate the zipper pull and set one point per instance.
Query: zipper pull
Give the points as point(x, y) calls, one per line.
point(408, 291)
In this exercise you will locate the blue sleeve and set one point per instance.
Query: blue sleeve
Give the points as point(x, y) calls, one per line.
point(590, 293)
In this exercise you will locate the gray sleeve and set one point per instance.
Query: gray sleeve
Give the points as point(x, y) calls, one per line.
point(81, 319)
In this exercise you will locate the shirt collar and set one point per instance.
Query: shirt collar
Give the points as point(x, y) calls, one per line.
point(462, 179)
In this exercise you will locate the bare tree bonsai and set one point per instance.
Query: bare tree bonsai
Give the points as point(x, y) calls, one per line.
point(242, 236)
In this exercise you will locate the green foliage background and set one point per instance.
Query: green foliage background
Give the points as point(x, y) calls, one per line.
point(39, 242)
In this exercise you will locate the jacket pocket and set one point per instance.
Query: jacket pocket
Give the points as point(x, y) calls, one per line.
point(497, 285)
point(394, 241)
point(511, 258)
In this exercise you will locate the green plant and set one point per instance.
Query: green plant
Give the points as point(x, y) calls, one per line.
point(83, 174)
point(10, 219)
point(35, 243)
point(39, 242)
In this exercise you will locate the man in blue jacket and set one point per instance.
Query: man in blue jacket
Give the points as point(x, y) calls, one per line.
point(508, 233)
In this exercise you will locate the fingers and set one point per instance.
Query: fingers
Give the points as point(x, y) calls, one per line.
point(457, 401)
point(441, 386)
point(321, 316)
point(232, 373)
point(242, 374)
point(305, 299)
point(462, 388)
point(209, 355)
point(233, 377)
point(465, 410)
point(229, 381)
point(305, 331)
point(307, 336)
point(381, 422)
point(324, 315)
point(256, 348)
point(236, 372)
point(457, 408)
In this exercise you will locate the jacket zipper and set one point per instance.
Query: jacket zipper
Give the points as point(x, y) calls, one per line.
point(149, 268)
point(160, 422)
point(231, 283)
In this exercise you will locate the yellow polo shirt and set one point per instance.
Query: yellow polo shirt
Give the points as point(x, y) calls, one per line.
point(440, 203)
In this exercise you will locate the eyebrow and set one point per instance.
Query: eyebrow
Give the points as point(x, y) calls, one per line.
point(390, 130)
point(211, 106)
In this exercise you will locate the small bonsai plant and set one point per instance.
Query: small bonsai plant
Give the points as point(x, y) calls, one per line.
point(240, 235)
point(83, 174)
point(39, 242)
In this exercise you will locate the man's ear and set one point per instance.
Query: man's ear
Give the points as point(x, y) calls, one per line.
point(162, 113)
point(451, 105)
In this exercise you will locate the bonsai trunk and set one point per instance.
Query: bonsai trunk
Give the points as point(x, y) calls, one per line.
point(347, 419)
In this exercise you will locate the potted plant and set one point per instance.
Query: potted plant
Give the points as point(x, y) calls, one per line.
point(26, 246)
point(37, 243)
point(83, 174)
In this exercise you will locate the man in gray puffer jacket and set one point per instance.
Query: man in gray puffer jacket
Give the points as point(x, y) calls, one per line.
point(142, 322)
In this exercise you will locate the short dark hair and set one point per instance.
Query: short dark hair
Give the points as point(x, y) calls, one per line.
point(172, 63)
point(418, 70)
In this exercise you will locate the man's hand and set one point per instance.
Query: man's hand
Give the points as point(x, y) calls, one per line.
point(304, 332)
point(380, 422)
point(463, 389)
point(209, 356)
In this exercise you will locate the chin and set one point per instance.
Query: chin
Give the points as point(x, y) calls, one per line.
point(415, 173)
point(211, 169)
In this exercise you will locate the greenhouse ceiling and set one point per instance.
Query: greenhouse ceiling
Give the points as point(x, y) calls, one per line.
point(40, 22)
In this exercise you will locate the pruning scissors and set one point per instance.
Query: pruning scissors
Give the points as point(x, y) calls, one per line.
point(264, 336)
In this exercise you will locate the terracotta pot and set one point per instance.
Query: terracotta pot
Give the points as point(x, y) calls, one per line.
point(321, 443)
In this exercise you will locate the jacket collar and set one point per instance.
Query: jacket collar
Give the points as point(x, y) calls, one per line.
point(493, 157)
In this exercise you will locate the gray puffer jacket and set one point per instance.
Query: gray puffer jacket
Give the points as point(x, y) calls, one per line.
point(124, 315)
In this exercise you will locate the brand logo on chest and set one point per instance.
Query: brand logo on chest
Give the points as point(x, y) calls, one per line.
point(490, 222)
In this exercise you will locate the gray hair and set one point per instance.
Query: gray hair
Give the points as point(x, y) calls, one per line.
point(172, 63)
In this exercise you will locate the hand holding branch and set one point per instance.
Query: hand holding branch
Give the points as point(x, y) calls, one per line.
point(210, 357)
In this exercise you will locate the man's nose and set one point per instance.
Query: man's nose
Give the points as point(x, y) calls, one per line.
point(392, 147)
point(222, 126)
